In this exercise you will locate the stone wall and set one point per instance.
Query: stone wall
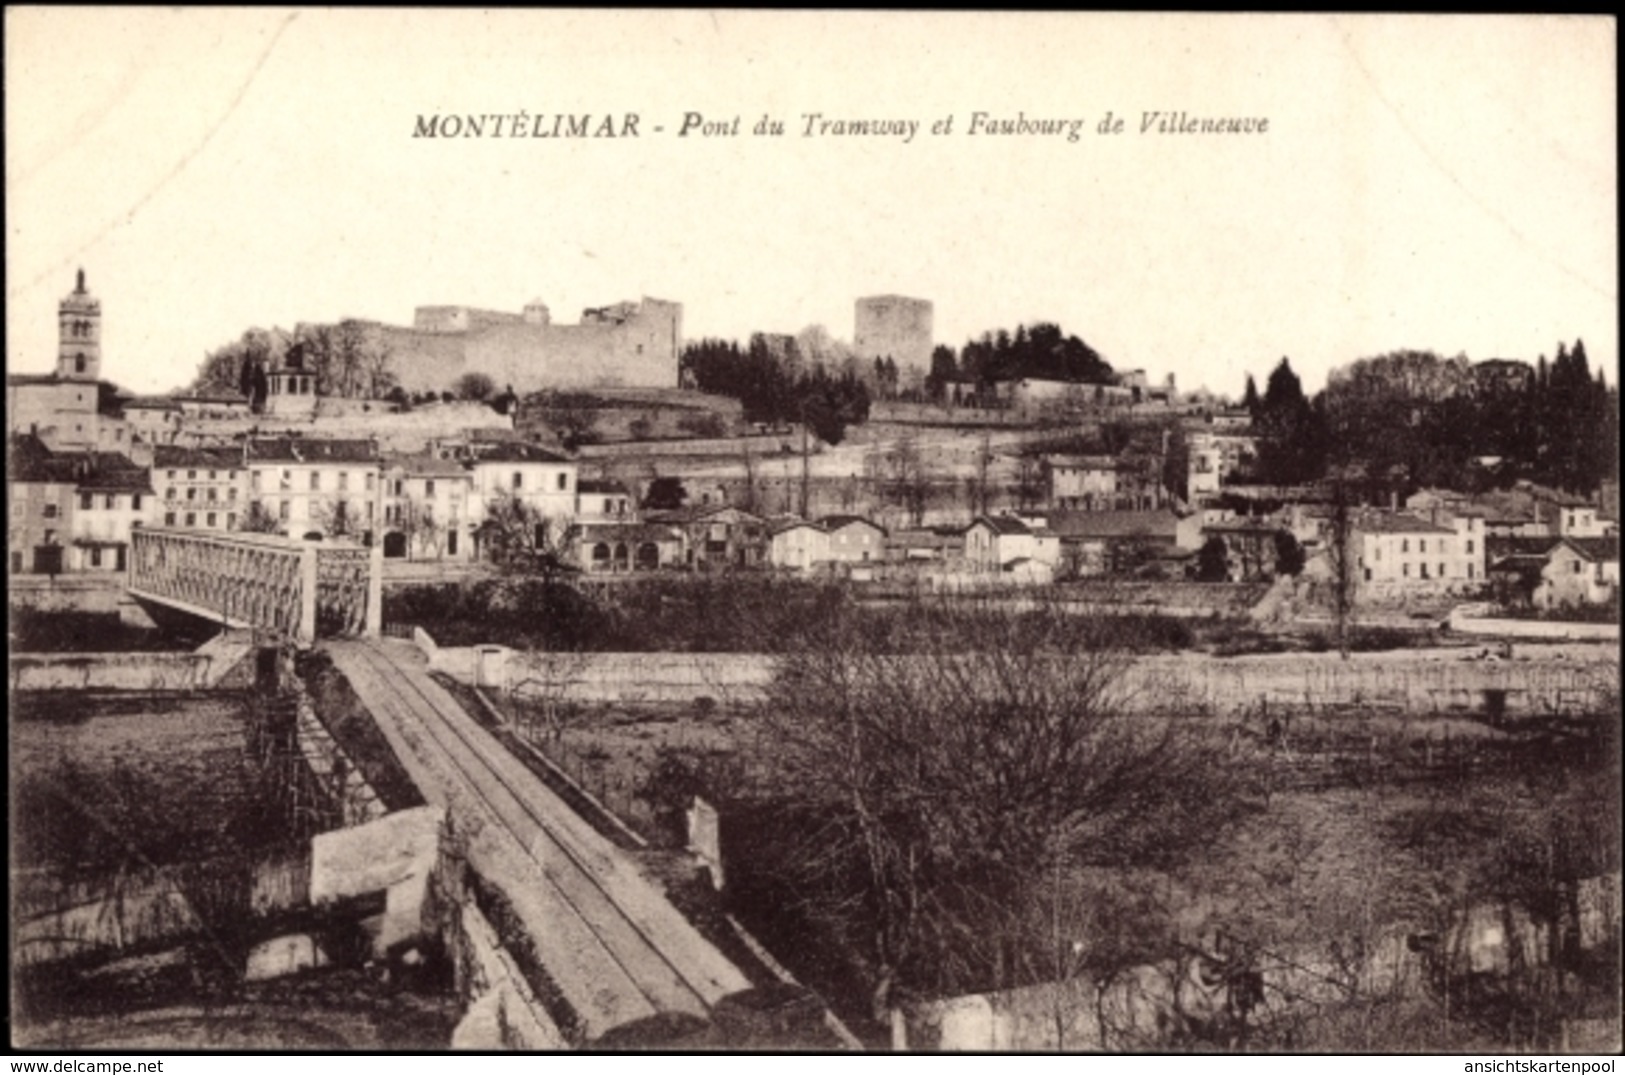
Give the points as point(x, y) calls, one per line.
point(503, 1011)
point(1541, 681)
point(758, 444)
point(1466, 620)
point(216, 664)
point(639, 349)
point(1134, 1009)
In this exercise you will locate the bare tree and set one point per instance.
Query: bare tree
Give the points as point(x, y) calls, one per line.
point(547, 679)
point(258, 520)
point(907, 477)
point(958, 771)
point(749, 498)
point(375, 366)
point(984, 463)
point(337, 518)
point(417, 521)
point(1029, 479)
point(1342, 557)
point(521, 538)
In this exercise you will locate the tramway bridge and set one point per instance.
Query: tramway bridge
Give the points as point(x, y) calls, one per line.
point(295, 591)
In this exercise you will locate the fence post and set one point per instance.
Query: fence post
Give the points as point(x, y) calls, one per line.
point(307, 595)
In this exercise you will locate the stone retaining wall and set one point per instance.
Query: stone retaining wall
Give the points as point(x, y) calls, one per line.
point(208, 667)
point(1541, 680)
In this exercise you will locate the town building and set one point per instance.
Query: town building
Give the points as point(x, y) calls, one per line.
point(1252, 546)
point(537, 479)
point(316, 488)
point(1215, 457)
point(1404, 553)
point(1579, 571)
point(426, 512)
point(798, 545)
point(153, 419)
point(1123, 542)
point(200, 488)
point(40, 500)
point(1081, 482)
point(854, 539)
point(601, 501)
point(996, 542)
point(925, 544)
point(718, 536)
point(115, 497)
point(601, 548)
point(72, 511)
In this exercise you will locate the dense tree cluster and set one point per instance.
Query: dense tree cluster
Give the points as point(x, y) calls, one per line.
point(347, 359)
point(1411, 418)
point(1040, 351)
point(775, 382)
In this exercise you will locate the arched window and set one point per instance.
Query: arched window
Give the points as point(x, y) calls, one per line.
point(600, 554)
point(79, 363)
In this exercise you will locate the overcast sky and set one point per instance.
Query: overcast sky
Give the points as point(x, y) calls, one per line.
point(1442, 183)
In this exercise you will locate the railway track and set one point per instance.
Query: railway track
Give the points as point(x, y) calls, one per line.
point(616, 948)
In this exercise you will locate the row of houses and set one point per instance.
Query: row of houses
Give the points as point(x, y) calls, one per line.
point(72, 511)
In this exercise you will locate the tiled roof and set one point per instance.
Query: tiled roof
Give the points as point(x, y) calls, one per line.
point(1245, 525)
point(312, 450)
point(517, 452)
point(31, 378)
point(125, 478)
point(838, 522)
point(1385, 522)
point(28, 460)
point(425, 466)
point(785, 525)
point(1115, 524)
point(601, 487)
point(151, 403)
point(924, 538)
point(1552, 496)
point(683, 516)
point(625, 532)
point(1595, 549)
point(1002, 524)
point(1082, 462)
point(168, 456)
point(1497, 547)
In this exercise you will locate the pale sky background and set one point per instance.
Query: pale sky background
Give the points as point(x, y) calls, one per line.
point(1445, 183)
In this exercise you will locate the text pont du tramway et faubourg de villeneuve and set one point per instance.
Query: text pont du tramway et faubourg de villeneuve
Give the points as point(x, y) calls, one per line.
point(547, 125)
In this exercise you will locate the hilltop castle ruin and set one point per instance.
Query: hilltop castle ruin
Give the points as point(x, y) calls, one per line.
point(628, 344)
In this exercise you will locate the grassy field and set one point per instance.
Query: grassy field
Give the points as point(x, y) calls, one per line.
point(1367, 826)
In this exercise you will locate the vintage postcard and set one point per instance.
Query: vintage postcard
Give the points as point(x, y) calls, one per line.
point(808, 531)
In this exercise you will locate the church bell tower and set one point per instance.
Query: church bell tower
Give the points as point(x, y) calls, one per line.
point(79, 335)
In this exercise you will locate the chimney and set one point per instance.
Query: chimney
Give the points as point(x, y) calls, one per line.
point(1393, 500)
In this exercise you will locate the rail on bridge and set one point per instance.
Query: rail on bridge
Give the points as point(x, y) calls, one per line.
point(296, 590)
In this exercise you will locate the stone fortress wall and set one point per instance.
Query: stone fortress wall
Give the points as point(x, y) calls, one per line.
point(628, 344)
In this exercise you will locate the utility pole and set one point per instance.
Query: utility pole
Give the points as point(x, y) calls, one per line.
point(805, 474)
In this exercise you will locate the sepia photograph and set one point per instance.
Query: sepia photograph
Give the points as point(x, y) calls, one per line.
point(812, 532)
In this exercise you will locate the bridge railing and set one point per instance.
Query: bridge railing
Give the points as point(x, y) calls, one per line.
point(291, 589)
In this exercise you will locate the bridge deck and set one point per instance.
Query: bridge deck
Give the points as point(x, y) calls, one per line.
point(616, 948)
